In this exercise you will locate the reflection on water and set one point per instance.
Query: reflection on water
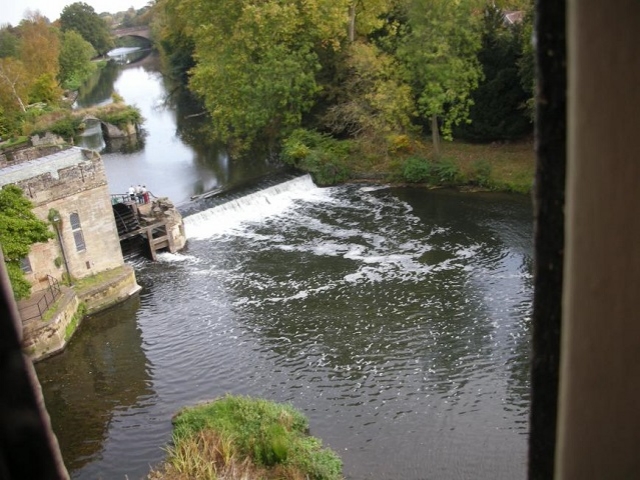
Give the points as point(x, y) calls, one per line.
point(94, 384)
point(173, 156)
point(396, 319)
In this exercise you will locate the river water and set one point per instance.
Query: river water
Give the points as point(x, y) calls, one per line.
point(396, 319)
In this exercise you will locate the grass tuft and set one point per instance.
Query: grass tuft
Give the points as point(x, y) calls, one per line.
point(239, 437)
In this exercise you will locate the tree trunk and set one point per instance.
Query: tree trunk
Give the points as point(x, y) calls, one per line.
point(435, 136)
point(352, 22)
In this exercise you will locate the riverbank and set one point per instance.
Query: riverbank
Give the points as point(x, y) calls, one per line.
point(504, 167)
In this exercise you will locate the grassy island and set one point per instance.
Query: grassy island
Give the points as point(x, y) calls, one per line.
point(238, 437)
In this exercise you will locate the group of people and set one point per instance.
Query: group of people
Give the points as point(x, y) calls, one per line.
point(139, 194)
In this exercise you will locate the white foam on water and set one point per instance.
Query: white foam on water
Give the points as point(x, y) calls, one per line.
point(374, 188)
point(167, 257)
point(252, 208)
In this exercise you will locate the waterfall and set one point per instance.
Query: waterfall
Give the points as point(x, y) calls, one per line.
point(249, 208)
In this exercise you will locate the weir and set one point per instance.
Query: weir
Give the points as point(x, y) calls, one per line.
point(250, 207)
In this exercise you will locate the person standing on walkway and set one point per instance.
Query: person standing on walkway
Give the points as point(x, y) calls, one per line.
point(132, 193)
point(145, 194)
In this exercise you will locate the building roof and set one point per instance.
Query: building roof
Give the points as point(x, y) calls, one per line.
point(47, 164)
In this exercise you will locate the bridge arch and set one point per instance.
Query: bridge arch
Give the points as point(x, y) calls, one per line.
point(140, 31)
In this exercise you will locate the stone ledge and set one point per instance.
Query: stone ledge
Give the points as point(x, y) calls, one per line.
point(44, 339)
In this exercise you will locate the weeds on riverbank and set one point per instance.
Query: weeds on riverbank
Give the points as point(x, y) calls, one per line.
point(507, 167)
point(238, 437)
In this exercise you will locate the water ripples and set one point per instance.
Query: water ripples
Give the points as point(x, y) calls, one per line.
point(389, 325)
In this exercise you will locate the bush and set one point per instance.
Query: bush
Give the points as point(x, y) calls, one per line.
point(399, 143)
point(324, 157)
point(481, 173)
point(120, 117)
point(447, 172)
point(417, 170)
point(65, 127)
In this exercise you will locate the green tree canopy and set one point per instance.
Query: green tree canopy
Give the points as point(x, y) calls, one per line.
point(75, 58)
point(8, 41)
point(439, 48)
point(83, 19)
point(19, 229)
point(373, 100)
point(257, 62)
point(499, 102)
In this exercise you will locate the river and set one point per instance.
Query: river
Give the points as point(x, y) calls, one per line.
point(396, 319)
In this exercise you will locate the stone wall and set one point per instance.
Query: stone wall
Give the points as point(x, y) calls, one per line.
point(20, 155)
point(116, 289)
point(42, 338)
point(49, 183)
point(45, 337)
point(110, 131)
point(46, 139)
point(101, 249)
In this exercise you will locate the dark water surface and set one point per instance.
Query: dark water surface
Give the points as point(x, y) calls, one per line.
point(397, 320)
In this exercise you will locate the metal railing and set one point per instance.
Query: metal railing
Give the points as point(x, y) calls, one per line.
point(48, 297)
point(126, 198)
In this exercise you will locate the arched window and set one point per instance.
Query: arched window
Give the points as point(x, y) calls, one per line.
point(76, 228)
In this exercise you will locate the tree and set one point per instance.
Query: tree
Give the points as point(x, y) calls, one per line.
point(75, 59)
point(373, 101)
point(39, 46)
point(526, 64)
point(39, 51)
point(439, 47)
point(498, 110)
point(83, 19)
point(366, 16)
point(8, 41)
point(257, 62)
point(15, 83)
point(19, 229)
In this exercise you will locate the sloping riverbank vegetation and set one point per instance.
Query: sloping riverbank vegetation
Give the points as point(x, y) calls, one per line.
point(238, 437)
point(371, 83)
point(499, 166)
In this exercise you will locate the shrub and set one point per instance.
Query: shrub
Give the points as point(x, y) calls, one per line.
point(417, 170)
point(120, 117)
point(447, 172)
point(324, 157)
point(481, 173)
point(399, 143)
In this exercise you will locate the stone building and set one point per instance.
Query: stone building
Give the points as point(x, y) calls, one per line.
point(67, 187)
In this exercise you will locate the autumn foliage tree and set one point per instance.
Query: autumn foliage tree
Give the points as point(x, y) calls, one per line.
point(39, 50)
point(365, 69)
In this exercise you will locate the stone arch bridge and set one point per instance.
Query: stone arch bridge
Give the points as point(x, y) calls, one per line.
point(140, 31)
